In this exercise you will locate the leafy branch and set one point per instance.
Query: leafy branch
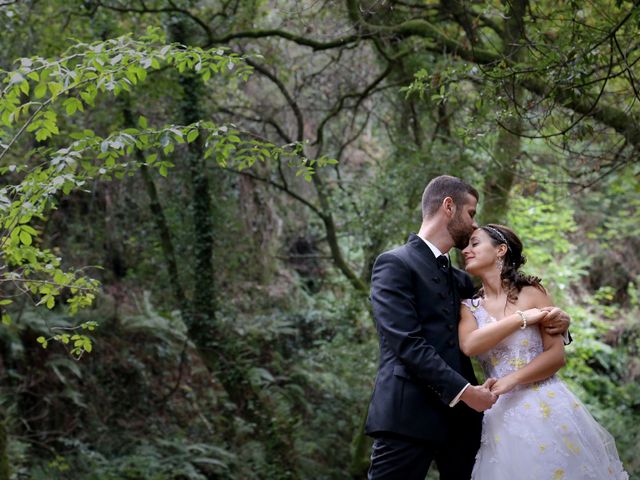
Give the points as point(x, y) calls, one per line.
point(30, 104)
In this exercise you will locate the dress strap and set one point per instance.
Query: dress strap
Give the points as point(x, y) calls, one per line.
point(471, 303)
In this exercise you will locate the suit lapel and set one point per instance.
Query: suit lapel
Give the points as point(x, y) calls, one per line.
point(415, 242)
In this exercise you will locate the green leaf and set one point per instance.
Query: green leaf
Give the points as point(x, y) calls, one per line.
point(142, 74)
point(42, 134)
point(40, 90)
point(60, 278)
point(192, 135)
point(25, 237)
point(70, 106)
point(7, 118)
point(142, 121)
point(55, 88)
point(168, 148)
point(6, 319)
point(88, 97)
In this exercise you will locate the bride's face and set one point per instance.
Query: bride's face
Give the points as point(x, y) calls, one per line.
point(481, 253)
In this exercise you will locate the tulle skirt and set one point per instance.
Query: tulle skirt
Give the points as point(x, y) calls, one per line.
point(542, 431)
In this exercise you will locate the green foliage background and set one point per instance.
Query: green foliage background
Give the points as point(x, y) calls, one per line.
point(192, 197)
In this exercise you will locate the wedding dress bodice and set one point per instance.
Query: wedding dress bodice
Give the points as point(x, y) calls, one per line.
point(512, 353)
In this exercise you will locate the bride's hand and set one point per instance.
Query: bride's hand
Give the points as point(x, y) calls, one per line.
point(534, 315)
point(504, 385)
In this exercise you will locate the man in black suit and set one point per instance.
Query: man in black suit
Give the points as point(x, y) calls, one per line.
point(426, 404)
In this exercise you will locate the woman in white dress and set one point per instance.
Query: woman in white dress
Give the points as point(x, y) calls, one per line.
point(537, 429)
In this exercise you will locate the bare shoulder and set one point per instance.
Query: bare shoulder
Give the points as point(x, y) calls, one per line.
point(533, 297)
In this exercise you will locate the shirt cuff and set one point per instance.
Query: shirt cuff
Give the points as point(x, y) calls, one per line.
point(457, 398)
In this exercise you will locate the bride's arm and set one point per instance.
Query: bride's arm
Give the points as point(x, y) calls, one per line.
point(540, 368)
point(474, 340)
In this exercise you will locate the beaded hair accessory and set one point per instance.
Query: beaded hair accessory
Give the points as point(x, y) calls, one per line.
point(501, 237)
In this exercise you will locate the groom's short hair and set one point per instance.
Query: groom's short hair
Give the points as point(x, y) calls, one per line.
point(445, 186)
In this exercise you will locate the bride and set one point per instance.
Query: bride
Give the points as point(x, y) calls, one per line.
point(537, 429)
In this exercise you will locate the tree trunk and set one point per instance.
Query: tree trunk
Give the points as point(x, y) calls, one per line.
point(5, 473)
point(166, 243)
point(217, 347)
point(360, 450)
point(161, 224)
point(202, 325)
point(501, 173)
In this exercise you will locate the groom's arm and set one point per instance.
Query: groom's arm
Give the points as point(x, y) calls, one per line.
point(395, 314)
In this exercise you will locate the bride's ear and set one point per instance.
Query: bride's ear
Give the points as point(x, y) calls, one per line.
point(502, 250)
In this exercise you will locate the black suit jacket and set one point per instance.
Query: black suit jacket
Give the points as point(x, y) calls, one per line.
point(416, 306)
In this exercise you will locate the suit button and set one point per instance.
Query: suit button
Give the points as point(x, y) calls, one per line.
point(450, 326)
point(442, 295)
point(445, 310)
point(436, 279)
point(452, 343)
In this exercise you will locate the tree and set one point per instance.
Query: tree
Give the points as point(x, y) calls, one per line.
point(35, 91)
point(80, 77)
point(397, 92)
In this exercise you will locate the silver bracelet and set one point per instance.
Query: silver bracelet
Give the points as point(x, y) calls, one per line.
point(524, 319)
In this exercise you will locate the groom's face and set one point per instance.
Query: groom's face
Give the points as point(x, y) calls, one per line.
point(463, 224)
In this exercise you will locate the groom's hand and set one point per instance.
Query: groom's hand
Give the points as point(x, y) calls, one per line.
point(556, 322)
point(480, 397)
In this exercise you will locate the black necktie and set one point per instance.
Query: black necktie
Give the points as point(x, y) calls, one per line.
point(443, 262)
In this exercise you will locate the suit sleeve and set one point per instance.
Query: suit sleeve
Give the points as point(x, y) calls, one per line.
point(393, 301)
point(567, 338)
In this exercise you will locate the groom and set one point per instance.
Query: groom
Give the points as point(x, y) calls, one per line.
point(426, 404)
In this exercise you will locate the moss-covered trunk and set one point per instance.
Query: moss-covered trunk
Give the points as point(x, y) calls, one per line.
point(502, 170)
point(4, 444)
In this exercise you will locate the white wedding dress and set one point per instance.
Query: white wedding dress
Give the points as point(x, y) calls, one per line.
point(539, 431)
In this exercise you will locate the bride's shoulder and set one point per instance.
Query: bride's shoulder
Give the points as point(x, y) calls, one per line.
point(534, 297)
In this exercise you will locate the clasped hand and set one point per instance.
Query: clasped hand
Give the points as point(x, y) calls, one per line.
point(554, 320)
point(504, 385)
point(480, 397)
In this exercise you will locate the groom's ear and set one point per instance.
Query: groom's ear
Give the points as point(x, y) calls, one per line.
point(448, 205)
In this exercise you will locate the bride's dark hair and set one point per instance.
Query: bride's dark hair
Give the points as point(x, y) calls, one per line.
point(513, 280)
